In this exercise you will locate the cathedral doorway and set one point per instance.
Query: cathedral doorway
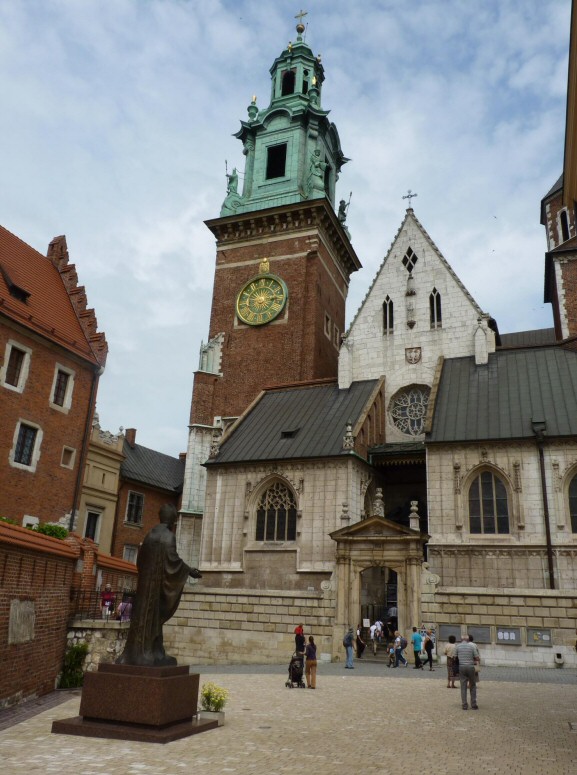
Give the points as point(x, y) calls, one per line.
point(379, 601)
point(378, 566)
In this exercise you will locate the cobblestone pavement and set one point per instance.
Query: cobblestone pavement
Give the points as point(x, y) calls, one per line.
point(371, 720)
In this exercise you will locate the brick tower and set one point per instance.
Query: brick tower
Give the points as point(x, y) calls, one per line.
point(283, 265)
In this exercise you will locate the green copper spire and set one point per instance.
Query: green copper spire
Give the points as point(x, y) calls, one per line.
point(293, 152)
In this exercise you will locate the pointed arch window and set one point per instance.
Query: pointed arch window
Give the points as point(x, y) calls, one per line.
point(488, 505)
point(276, 514)
point(573, 503)
point(435, 309)
point(388, 316)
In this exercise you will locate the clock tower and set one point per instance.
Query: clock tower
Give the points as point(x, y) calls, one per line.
point(283, 260)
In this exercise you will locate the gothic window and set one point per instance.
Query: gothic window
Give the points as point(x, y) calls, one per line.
point(488, 505)
point(276, 161)
point(409, 409)
point(435, 309)
point(388, 319)
point(276, 514)
point(409, 260)
point(564, 221)
point(573, 503)
point(288, 83)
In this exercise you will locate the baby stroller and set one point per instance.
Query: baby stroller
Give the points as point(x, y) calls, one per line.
point(295, 672)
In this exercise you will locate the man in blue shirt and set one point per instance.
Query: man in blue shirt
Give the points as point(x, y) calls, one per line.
point(417, 641)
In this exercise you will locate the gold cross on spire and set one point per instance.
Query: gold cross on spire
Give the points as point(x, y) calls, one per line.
point(301, 15)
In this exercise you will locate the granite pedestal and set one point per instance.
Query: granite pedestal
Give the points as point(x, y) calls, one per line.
point(126, 702)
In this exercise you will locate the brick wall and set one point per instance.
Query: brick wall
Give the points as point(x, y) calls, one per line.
point(36, 575)
point(47, 492)
point(126, 533)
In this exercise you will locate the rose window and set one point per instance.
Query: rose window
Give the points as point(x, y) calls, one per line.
point(409, 409)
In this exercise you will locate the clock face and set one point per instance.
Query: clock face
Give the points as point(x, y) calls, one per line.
point(261, 300)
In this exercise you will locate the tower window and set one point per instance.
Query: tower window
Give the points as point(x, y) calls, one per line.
point(573, 504)
point(564, 221)
point(288, 83)
point(276, 161)
point(435, 309)
point(388, 320)
point(409, 260)
point(305, 81)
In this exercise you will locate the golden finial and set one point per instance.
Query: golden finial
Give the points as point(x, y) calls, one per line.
point(253, 99)
point(264, 266)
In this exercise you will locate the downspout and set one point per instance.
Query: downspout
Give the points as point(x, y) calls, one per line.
point(85, 442)
point(539, 429)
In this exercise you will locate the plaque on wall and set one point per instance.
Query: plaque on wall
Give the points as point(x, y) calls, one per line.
point(509, 636)
point(445, 630)
point(480, 634)
point(537, 637)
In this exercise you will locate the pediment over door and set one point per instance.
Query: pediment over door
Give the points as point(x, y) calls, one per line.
point(378, 528)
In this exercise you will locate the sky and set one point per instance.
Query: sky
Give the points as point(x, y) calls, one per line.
point(117, 122)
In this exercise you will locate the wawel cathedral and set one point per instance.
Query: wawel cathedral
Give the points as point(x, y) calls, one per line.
point(419, 465)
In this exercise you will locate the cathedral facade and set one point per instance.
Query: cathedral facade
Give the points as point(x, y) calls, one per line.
point(419, 466)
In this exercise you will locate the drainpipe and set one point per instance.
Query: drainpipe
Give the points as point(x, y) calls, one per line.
point(85, 442)
point(539, 429)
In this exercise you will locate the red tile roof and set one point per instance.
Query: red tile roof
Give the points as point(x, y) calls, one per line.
point(35, 542)
point(56, 306)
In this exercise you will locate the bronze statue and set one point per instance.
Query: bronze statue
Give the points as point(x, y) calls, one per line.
point(161, 578)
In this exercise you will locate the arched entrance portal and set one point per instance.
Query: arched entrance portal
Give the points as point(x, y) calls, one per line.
point(363, 551)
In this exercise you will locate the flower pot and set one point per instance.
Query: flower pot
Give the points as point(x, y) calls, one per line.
point(212, 715)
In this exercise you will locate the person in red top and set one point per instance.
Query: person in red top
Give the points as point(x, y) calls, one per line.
point(299, 639)
point(107, 602)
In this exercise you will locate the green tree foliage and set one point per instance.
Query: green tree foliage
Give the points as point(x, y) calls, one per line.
point(72, 673)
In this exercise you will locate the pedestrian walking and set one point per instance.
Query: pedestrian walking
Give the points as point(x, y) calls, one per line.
point(417, 641)
point(360, 643)
point(311, 663)
point(400, 646)
point(348, 641)
point(429, 650)
point(468, 655)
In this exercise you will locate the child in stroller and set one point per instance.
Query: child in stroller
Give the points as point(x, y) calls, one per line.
point(295, 672)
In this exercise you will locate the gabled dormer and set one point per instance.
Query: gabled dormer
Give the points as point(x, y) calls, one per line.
point(292, 150)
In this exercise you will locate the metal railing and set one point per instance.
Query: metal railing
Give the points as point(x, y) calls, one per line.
point(86, 604)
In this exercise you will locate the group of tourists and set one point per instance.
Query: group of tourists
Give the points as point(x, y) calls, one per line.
point(463, 660)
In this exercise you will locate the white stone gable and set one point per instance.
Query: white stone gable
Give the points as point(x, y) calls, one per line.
point(408, 354)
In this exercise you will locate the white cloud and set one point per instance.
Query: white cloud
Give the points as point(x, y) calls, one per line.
point(118, 117)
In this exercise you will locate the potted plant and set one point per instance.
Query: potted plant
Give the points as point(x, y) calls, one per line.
point(212, 700)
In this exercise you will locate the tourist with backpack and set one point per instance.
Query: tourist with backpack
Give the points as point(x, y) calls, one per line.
point(400, 646)
point(348, 644)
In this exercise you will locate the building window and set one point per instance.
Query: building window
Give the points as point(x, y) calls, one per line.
point(336, 336)
point(488, 505)
point(564, 223)
point(130, 553)
point(62, 387)
point(16, 366)
point(328, 325)
point(134, 508)
point(68, 457)
point(26, 446)
point(388, 319)
point(288, 83)
point(573, 503)
point(276, 161)
point(435, 309)
point(276, 514)
point(409, 260)
point(409, 409)
point(92, 526)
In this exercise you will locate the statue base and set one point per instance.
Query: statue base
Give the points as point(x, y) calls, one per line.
point(148, 704)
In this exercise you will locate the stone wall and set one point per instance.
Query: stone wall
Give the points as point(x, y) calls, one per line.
point(219, 626)
point(105, 640)
point(541, 616)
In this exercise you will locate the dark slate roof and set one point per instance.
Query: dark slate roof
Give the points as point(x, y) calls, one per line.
point(539, 336)
point(152, 468)
point(499, 400)
point(303, 422)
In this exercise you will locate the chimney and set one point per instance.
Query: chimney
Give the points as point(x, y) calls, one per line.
point(130, 436)
point(182, 456)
